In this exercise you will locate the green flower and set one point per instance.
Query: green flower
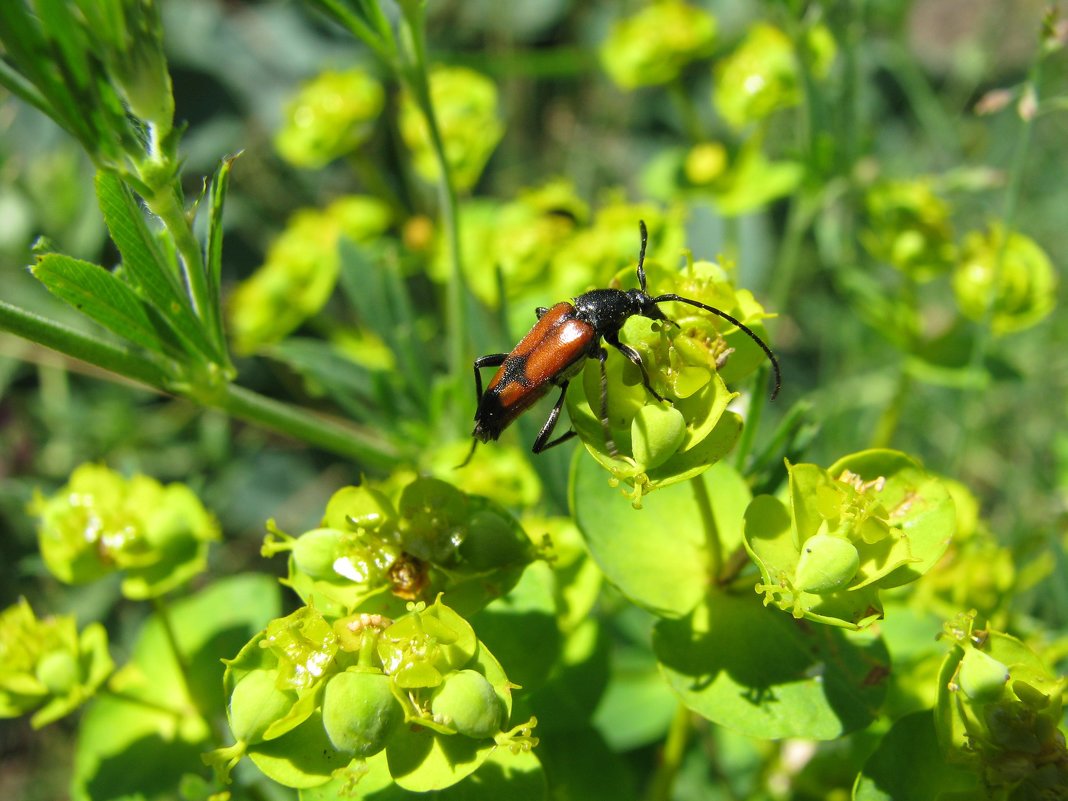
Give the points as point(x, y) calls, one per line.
point(45, 665)
point(999, 711)
point(300, 270)
point(465, 108)
point(373, 555)
point(762, 75)
point(909, 228)
point(100, 522)
point(312, 693)
point(654, 45)
point(660, 444)
point(331, 115)
point(1004, 279)
point(873, 520)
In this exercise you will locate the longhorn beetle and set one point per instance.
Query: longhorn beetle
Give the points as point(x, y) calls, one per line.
point(555, 349)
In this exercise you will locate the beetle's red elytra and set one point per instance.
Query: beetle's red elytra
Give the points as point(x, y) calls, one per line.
point(556, 348)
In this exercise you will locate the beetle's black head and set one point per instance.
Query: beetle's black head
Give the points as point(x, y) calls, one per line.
point(642, 305)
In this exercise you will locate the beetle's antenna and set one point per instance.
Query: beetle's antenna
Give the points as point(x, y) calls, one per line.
point(470, 453)
point(749, 331)
point(641, 254)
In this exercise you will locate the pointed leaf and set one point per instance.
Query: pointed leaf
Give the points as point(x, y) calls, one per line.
point(100, 295)
point(145, 264)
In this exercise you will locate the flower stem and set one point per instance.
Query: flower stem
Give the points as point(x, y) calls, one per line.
point(322, 432)
point(415, 73)
point(671, 756)
point(984, 335)
point(120, 359)
point(891, 415)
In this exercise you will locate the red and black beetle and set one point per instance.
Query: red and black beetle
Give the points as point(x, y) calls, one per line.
point(555, 349)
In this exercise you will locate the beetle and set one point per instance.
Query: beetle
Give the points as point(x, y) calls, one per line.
point(555, 350)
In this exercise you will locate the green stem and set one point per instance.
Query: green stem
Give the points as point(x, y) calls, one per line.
point(984, 335)
point(166, 205)
point(120, 359)
point(708, 522)
point(888, 421)
point(303, 425)
point(799, 216)
point(671, 756)
point(752, 421)
point(416, 76)
point(691, 120)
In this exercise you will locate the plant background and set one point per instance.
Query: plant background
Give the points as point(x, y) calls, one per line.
point(923, 65)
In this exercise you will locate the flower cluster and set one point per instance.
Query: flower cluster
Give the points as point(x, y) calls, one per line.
point(101, 522)
point(873, 520)
point(316, 694)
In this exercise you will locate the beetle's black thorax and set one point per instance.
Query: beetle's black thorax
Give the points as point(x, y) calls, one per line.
point(608, 309)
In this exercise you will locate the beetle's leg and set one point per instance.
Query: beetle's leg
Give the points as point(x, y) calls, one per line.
point(541, 310)
point(610, 444)
point(491, 360)
point(540, 443)
point(635, 359)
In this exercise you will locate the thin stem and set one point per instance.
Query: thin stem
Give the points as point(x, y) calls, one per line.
point(708, 523)
point(984, 335)
point(752, 421)
point(119, 359)
point(417, 77)
point(303, 425)
point(165, 204)
point(671, 756)
point(888, 421)
point(691, 120)
point(798, 219)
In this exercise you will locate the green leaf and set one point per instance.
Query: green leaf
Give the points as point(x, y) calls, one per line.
point(526, 614)
point(762, 673)
point(580, 765)
point(638, 705)
point(219, 185)
point(127, 748)
point(381, 299)
point(516, 777)
point(908, 765)
point(326, 370)
point(145, 264)
point(566, 701)
point(658, 556)
point(97, 293)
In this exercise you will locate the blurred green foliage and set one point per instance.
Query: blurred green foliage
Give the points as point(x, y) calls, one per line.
point(881, 185)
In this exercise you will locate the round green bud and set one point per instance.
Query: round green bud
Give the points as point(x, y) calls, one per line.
point(360, 711)
point(493, 540)
point(981, 677)
point(705, 163)
point(827, 563)
point(58, 671)
point(656, 434)
point(357, 507)
point(314, 552)
point(256, 703)
point(467, 702)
